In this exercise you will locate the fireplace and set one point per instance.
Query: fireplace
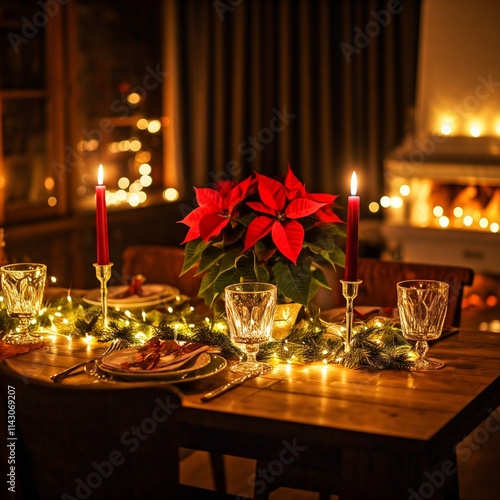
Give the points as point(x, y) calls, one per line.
point(445, 208)
point(443, 181)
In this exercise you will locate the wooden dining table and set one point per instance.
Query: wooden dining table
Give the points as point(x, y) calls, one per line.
point(379, 434)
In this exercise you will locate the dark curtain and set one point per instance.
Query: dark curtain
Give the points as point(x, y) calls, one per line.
point(324, 85)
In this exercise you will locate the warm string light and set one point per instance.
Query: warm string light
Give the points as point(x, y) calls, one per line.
point(475, 126)
point(380, 344)
point(130, 190)
point(455, 216)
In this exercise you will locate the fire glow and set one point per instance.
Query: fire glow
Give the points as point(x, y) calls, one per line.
point(429, 204)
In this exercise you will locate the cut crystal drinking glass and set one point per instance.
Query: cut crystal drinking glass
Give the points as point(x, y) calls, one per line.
point(422, 308)
point(250, 308)
point(22, 287)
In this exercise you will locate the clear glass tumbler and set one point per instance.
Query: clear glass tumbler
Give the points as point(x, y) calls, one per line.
point(250, 308)
point(422, 308)
point(22, 287)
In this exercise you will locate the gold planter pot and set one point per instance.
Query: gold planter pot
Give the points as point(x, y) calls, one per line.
point(284, 319)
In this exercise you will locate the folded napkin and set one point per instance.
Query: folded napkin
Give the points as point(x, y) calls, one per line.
point(155, 356)
point(135, 288)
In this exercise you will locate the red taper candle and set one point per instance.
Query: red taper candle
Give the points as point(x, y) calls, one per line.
point(101, 220)
point(351, 252)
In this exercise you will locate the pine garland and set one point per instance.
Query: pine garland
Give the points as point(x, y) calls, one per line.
point(6, 322)
point(379, 346)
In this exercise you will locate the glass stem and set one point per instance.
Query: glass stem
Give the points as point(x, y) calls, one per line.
point(421, 347)
point(24, 324)
point(251, 351)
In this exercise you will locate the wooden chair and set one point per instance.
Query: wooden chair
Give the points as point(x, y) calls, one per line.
point(160, 264)
point(381, 277)
point(163, 264)
point(98, 441)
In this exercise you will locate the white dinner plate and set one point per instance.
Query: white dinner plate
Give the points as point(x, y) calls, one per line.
point(153, 294)
point(215, 365)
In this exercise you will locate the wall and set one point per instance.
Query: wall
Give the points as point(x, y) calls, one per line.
point(68, 245)
point(459, 50)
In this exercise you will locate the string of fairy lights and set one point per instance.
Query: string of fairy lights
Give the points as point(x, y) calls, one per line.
point(376, 343)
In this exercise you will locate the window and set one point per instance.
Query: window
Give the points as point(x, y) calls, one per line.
point(117, 113)
point(30, 108)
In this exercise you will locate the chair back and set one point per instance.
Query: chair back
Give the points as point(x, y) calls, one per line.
point(97, 441)
point(379, 286)
point(160, 264)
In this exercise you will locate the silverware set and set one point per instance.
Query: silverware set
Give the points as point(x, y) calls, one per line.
point(115, 345)
point(90, 367)
point(233, 383)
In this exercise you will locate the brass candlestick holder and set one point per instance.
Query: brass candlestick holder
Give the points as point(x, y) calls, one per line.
point(103, 273)
point(350, 292)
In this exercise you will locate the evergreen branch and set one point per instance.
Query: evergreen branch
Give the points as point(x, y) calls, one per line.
point(379, 347)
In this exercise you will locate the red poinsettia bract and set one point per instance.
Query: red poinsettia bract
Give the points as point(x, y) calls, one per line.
point(282, 206)
point(216, 209)
point(295, 189)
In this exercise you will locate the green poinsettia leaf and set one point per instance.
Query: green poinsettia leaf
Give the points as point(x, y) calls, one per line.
point(258, 270)
point(222, 273)
point(208, 280)
point(324, 237)
point(231, 258)
point(246, 218)
point(233, 233)
point(326, 252)
point(261, 273)
point(247, 273)
point(208, 296)
point(192, 253)
point(332, 230)
point(209, 257)
point(294, 282)
point(224, 279)
point(263, 252)
point(335, 257)
point(214, 286)
point(319, 278)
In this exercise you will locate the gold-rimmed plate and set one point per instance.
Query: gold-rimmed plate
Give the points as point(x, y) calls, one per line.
point(153, 294)
point(215, 365)
point(360, 312)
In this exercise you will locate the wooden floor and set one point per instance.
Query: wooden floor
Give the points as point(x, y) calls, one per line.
point(478, 459)
point(195, 470)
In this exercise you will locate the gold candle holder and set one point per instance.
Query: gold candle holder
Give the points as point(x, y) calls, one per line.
point(350, 292)
point(103, 273)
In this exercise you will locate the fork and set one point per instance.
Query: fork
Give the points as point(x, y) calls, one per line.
point(114, 346)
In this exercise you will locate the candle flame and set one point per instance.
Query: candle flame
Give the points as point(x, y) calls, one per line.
point(100, 175)
point(354, 184)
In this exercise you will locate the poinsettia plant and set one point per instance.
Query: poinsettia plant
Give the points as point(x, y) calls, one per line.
point(263, 230)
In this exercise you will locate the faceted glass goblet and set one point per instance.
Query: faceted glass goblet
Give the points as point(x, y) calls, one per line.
point(250, 308)
point(422, 308)
point(23, 286)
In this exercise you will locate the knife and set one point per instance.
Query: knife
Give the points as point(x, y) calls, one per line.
point(233, 383)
